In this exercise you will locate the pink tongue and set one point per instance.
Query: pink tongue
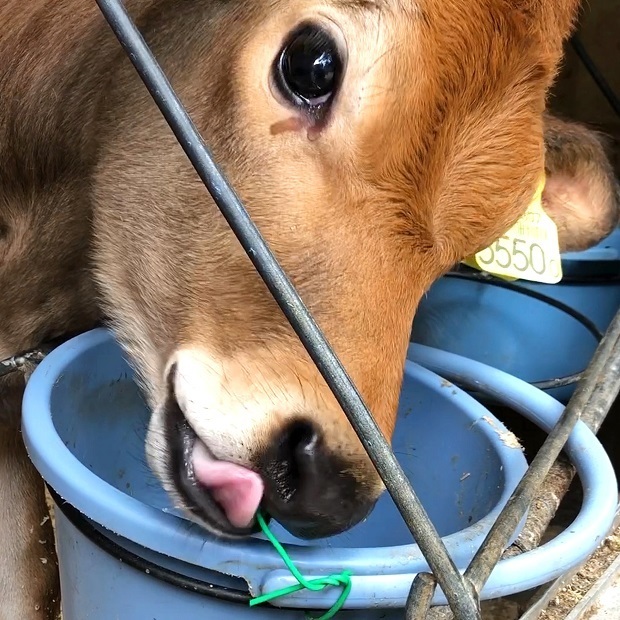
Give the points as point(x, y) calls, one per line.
point(236, 489)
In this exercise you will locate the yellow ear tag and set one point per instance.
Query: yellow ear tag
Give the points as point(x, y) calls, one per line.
point(528, 251)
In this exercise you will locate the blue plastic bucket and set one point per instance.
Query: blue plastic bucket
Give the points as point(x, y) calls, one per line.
point(591, 282)
point(84, 423)
point(519, 329)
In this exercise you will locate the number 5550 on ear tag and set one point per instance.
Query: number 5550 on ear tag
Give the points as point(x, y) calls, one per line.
point(528, 251)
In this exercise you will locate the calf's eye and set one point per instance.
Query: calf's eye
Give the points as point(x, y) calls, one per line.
point(308, 69)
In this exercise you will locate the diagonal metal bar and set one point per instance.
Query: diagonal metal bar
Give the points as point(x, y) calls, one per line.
point(557, 482)
point(22, 360)
point(605, 357)
point(420, 596)
point(605, 392)
point(595, 74)
point(544, 507)
point(463, 600)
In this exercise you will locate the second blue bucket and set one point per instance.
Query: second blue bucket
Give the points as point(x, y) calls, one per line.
point(543, 334)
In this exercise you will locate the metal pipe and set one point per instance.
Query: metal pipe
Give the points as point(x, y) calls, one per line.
point(459, 595)
point(595, 74)
point(605, 392)
point(560, 477)
point(494, 544)
point(32, 357)
point(543, 508)
point(420, 596)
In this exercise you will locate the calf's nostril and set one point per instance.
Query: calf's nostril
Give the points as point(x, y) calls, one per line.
point(310, 488)
point(303, 442)
point(294, 464)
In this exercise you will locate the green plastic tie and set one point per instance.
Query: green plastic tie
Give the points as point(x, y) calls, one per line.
point(342, 579)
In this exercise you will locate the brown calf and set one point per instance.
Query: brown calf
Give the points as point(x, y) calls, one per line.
point(374, 142)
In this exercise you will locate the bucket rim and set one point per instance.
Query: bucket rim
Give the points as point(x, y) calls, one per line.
point(599, 264)
point(597, 511)
point(150, 527)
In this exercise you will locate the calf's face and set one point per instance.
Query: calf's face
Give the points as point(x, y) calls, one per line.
point(375, 144)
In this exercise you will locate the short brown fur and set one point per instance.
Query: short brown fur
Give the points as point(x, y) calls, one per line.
point(433, 149)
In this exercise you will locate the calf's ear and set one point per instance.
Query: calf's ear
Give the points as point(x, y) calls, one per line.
point(581, 194)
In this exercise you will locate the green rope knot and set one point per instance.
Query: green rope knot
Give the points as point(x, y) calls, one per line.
point(342, 580)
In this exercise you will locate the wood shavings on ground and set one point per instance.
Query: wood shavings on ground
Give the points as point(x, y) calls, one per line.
point(585, 578)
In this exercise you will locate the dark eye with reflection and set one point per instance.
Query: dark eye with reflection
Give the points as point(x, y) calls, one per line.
point(308, 70)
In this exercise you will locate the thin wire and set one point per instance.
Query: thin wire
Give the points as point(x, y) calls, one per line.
point(342, 579)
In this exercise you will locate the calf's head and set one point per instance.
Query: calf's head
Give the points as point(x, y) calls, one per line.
point(375, 143)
